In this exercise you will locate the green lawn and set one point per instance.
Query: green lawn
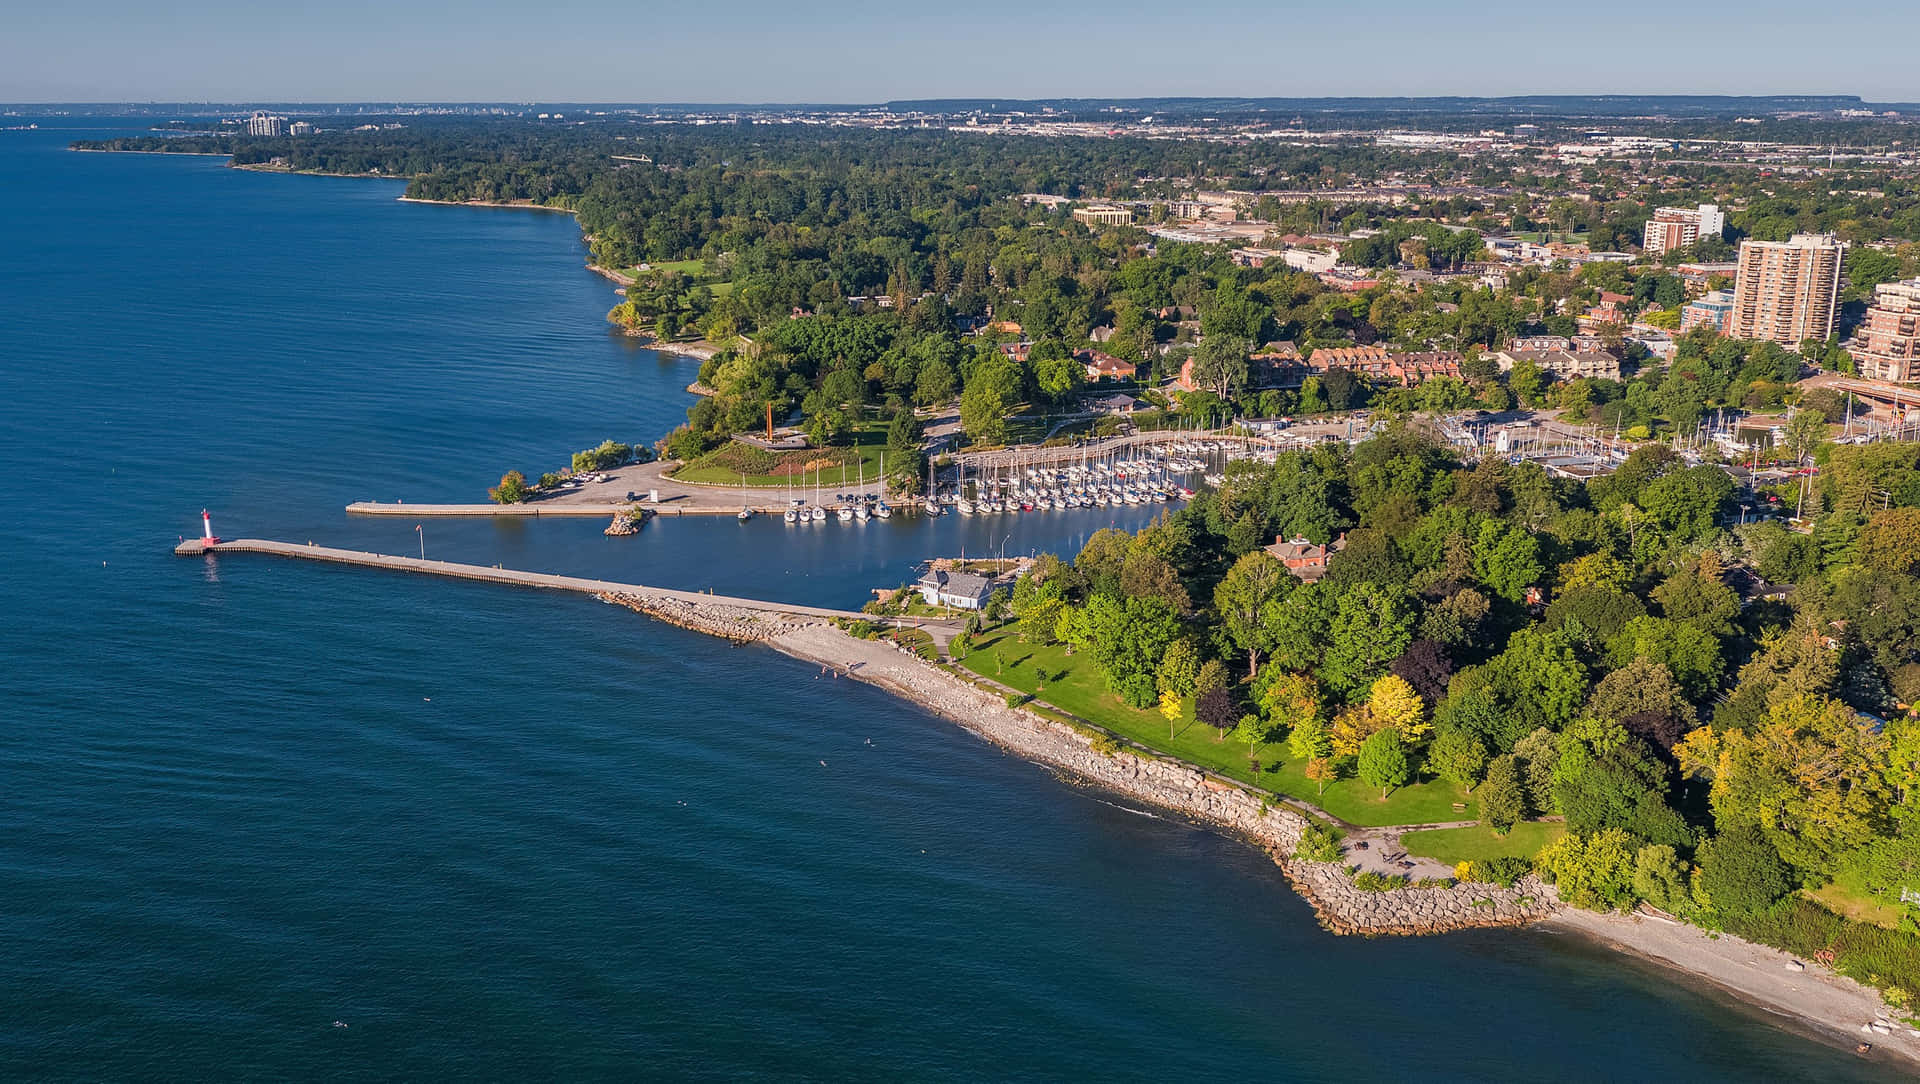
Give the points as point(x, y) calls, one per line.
point(839, 465)
point(1463, 844)
point(696, 268)
point(1074, 685)
point(1850, 902)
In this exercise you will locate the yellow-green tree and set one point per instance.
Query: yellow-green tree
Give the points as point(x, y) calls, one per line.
point(1811, 778)
point(1394, 703)
point(1171, 706)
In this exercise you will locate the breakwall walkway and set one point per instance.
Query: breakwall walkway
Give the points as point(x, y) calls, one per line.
point(400, 508)
point(720, 615)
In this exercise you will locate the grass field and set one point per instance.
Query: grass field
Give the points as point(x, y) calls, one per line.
point(839, 466)
point(1462, 844)
point(696, 268)
point(1848, 903)
point(1073, 684)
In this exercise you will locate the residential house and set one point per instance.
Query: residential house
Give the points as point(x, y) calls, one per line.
point(1304, 559)
point(1104, 367)
point(1564, 364)
point(1373, 362)
point(961, 590)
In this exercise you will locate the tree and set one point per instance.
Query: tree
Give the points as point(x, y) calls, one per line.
point(983, 414)
point(1425, 666)
point(1253, 730)
point(1536, 756)
point(1254, 582)
point(1507, 560)
point(1179, 669)
point(1383, 761)
point(1059, 379)
point(1890, 541)
point(1810, 779)
point(1352, 728)
point(1595, 872)
point(1212, 676)
point(1371, 626)
point(1220, 365)
point(1310, 740)
point(1171, 708)
point(1458, 756)
point(1539, 678)
point(1215, 708)
point(1643, 697)
point(1740, 872)
point(1502, 803)
point(511, 490)
point(1395, 704)
point(1321, 770)
point(1290, 700)
point(1660, 878)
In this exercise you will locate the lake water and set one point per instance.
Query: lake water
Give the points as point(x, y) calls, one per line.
point(515, 834)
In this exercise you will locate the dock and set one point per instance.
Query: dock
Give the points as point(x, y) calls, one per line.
point(720, 615)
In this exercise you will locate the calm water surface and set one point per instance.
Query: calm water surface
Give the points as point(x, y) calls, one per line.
point(513, 834)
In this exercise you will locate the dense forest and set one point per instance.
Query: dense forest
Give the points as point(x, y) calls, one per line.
point(1717, 712)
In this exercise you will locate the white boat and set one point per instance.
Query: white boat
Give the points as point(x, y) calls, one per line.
point(883, 510)
point(845, 514)
point(965, 506)
point(930, 506)
point(861, 511)
point(792, 515)
point(818, 514)
point(745, 515)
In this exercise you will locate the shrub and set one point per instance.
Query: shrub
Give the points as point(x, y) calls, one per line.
point(1502, 871)
point(511, 490)
point(1374, 881)
point(1106, 745)
point(1888, 959)
point(1595, 872)
point(608, 455)
point(1318, 844)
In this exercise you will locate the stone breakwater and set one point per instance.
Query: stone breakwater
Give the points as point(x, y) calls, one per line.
point(1277, 829)
point(1345, 908)
point(735, 623)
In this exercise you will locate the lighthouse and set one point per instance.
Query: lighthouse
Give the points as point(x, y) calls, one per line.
point(206, 529)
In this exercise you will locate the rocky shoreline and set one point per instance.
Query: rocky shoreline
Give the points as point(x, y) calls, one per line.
point(1826, 1004)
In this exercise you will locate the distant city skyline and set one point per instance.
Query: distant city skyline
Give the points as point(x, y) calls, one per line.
point(860, 52)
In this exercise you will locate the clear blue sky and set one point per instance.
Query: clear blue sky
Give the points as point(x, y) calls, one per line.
point(863, 51)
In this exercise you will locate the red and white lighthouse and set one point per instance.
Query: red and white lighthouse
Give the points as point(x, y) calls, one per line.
point(206, 528)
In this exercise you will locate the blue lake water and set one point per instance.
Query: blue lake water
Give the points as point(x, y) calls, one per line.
point(514, 834)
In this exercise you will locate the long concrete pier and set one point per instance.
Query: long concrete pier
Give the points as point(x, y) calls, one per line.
point(574, 509)
point(400, 508)
point(721, 615)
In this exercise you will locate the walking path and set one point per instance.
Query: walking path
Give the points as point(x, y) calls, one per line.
point(693, 601)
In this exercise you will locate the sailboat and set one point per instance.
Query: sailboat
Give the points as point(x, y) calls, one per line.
point(860, 509)
point(745, 512)
point(880, 507)
point(792, 514)
point(817, 514)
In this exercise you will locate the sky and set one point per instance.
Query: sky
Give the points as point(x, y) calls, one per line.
point(858, 51)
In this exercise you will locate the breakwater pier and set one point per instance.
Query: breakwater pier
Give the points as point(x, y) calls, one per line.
point(738, 619)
